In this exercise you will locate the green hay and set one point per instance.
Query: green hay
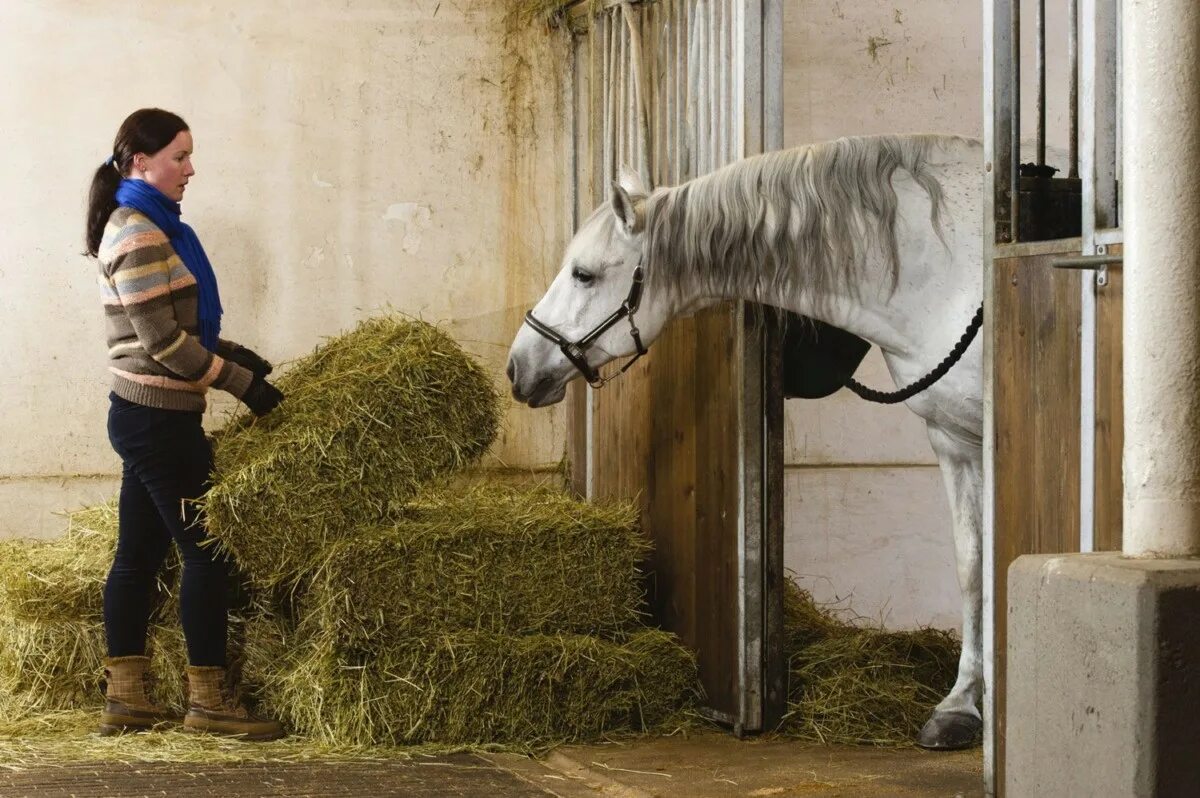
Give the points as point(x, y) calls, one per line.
point(389, 608)
point(476, 688)
point(61, 579)
point(856, 685)
point(490, 558)
point(54, 666)
point(370, 417)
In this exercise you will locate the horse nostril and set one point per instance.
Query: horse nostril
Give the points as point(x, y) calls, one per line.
point(511, 371)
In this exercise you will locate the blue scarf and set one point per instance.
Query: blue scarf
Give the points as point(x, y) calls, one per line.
point(165, 213)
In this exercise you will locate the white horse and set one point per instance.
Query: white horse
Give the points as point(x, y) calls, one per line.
point(880, 236)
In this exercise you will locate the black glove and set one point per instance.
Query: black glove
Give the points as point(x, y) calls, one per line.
point(262, 397)
point(249, 359)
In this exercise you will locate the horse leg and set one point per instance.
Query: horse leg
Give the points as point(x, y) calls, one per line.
point(956, 722)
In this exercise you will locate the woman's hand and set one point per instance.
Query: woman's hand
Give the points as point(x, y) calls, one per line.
point(249, 359)
point(262, 397)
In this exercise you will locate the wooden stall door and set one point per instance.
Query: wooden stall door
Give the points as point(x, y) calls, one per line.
point(1037, 390)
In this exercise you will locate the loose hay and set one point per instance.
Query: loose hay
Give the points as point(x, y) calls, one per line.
point(488, 558)
point(856, 685)
point(370, 417)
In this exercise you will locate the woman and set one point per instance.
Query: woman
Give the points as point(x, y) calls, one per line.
point(163, 319)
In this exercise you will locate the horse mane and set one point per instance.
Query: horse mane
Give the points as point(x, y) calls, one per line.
point(799, 219)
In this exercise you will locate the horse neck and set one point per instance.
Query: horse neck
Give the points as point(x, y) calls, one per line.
point(933, 278)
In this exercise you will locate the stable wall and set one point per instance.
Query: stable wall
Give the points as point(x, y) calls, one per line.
point(867, 519)
point(349, 157)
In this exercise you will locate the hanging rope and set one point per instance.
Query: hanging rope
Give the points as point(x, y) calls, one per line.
point(894, 397)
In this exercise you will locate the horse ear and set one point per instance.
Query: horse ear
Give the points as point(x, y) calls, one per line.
point(631, 181)
point(628, 209)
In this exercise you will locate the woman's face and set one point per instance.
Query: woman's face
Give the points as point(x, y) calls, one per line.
point(168, 169)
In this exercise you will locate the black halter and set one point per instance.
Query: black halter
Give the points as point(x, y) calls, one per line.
point(576, 352)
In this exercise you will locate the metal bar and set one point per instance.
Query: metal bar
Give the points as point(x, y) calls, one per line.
point(742, 73)
point(610, 88)
point(998, 100)
point(1073, 100)
point(638, 93)
point(1084, 261)
point(997, 143)
point(1014, 164)
point(1041, 82)
point(1097, 156)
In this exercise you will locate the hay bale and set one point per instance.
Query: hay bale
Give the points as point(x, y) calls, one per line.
point(856, 685)
point(370, 417)
point(477, 688)
point(61, 579)
point(58, 665)
point(489, 558)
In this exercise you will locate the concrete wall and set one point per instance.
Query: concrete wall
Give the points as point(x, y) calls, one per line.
point(868, 523)
point(349, 157)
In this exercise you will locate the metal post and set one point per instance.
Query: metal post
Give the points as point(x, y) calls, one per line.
point(1014, 163)
point(1073, 102)
point(1041, 85)
point(1162, 278)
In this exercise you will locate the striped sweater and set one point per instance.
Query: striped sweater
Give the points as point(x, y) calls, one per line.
point(150, 309)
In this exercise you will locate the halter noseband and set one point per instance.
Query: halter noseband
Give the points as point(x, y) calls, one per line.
point(576, 351)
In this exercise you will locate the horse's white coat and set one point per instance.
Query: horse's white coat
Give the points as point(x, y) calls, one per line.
point(915, 319)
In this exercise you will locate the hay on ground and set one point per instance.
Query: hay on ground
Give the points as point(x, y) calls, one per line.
point(857, 685)
point(369, 418)
point(490, 558)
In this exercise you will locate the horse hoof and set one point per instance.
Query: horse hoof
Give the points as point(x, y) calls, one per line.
point(951, 731)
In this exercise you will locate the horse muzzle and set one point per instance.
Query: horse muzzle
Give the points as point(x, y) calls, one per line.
point(535, 390)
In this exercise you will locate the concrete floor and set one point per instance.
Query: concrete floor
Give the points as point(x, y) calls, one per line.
point(708, 765)
point(714, 765)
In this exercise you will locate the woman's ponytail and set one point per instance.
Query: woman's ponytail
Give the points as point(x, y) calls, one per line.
point(102, 201)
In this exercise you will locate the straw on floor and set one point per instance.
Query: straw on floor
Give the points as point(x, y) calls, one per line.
point(860, 684)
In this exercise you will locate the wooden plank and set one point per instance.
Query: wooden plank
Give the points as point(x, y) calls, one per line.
point(1036, 418)
point(718, 402)
point(1110, 417)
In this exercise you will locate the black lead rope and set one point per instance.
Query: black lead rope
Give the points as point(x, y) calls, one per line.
point(894, 397)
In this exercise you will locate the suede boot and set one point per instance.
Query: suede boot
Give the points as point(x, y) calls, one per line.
point(214, 707)
point(127, 703)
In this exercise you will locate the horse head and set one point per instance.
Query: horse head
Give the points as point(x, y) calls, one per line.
point(596, 309)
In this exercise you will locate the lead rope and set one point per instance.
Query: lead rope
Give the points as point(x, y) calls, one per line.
point(894, 397)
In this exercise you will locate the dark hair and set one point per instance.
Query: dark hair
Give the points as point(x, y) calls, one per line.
point(147, 130)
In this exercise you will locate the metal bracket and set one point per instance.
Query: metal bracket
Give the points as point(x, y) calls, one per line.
point(1098, 263)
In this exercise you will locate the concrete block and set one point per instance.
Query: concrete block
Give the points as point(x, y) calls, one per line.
point(1103, 683)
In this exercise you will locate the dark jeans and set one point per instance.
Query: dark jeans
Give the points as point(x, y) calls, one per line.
point(167, 463)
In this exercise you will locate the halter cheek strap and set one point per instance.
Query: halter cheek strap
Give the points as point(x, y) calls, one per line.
point(576, 351)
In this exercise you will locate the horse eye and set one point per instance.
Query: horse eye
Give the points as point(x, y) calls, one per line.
point(582, 276)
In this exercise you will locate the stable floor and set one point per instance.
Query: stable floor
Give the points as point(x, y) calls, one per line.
point(707, 765)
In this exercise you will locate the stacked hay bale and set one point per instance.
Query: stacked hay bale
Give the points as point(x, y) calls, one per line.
point(491, 615)
point(399, 607)
point(859, 684)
